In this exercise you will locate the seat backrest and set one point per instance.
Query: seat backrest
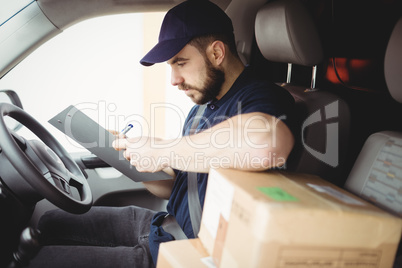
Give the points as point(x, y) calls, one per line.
point(377, 173)
point(285, 33)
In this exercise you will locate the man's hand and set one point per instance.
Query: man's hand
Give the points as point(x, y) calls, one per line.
point(143, 153)
point(140, 153)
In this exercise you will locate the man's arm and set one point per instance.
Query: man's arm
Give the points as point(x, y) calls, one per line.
point(253, 141)
point(163, 188)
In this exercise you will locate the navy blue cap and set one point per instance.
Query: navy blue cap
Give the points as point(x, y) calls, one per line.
point(184, 22)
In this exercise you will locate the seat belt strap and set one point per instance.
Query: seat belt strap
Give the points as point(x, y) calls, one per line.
point(197, 118)
point(171, 226)
point(194, 205)
point(169, 223)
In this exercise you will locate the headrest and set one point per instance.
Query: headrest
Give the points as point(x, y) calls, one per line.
point(285, 32)
point(393, 63)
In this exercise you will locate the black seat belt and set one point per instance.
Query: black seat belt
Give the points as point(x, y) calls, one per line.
point(171, 226)
point(194, 205)
point(169, 223)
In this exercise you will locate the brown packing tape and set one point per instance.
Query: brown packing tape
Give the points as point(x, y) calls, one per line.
point(220, 240)
point(206, 237)
point(218, 204)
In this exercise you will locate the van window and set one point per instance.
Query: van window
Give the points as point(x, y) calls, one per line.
point(94, 65)
point(13, 7)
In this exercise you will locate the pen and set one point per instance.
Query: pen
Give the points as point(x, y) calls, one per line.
point(126, 129)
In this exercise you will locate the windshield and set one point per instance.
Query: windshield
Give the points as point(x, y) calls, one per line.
point(94, 65)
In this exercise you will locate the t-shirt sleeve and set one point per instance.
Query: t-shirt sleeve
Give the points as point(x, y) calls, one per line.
point(269, 99)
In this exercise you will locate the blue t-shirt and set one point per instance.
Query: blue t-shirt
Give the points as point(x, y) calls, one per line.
point(247, 95)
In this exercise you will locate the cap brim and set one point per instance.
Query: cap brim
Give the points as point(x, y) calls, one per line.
point(164, 51)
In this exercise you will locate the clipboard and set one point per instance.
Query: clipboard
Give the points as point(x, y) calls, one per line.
point(89, 134)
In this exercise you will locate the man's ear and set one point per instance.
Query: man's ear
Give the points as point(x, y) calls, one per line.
point(216, 52)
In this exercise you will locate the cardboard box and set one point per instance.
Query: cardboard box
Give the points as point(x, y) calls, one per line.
point(182, 254)
point(278, 219)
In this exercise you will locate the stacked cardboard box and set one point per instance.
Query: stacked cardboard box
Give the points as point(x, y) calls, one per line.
point(278, 219)
point(183, 254)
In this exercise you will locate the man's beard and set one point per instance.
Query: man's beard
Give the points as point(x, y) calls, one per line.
point(212, 84)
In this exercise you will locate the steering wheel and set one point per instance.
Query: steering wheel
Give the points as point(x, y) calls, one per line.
point(45, 165)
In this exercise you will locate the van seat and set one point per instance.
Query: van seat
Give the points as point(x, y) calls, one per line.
point(285, 33)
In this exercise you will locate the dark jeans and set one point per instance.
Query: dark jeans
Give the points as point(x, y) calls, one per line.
point(103, 237)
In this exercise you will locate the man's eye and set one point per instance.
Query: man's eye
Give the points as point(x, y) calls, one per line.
point(180, 64)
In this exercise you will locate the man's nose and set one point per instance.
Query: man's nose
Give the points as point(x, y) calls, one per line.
point(176, 78)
